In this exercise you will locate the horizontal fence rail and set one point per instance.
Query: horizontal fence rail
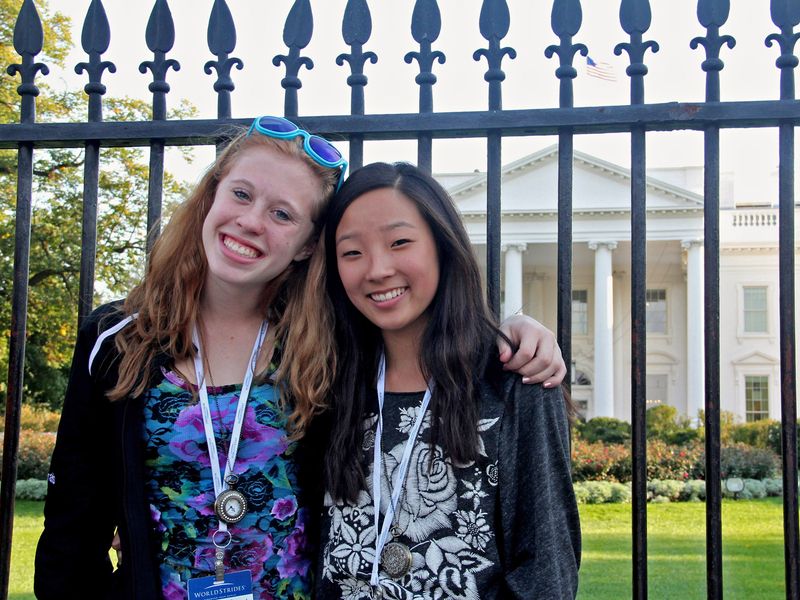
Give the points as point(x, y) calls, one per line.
point(637, 118)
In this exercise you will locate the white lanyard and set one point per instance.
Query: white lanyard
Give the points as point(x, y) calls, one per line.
point(397, 484)
point(220, 485)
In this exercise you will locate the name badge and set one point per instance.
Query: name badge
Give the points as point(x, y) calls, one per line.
point(236, 586)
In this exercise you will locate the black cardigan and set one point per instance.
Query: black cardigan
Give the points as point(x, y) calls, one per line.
point(97, 481)
point(96, 484)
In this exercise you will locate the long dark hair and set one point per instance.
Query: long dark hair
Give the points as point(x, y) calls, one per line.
point(456, 345)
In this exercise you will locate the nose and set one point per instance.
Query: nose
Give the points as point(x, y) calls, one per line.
point(251, 220)
point(381, 266)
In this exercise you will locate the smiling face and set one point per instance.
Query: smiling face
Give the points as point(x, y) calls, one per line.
point(388, 263)
point(260, 221)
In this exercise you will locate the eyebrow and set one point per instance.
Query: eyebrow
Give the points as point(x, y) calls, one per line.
point(389, 227)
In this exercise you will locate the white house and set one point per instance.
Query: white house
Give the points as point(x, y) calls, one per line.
point(601, 300)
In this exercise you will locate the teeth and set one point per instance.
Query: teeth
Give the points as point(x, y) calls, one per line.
point(233, 246)
point(388, 295)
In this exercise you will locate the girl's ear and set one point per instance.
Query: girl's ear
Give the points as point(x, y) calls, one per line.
point(304, 253)
point(307, 250)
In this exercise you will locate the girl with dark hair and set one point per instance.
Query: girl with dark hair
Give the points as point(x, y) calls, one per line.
point(446, 477)
point(180, 439)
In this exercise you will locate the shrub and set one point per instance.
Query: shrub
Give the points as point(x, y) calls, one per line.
point(727, 423)
point(35, 449)
point(599, 492)
point(774, 487)
point(620, 493)
point(38, 418)
point(682, 436)
point(665, 461)
point(774, 438)
point(605, 429)
point(693, 491)
point(31, 489)
point(741, 460)
point(600, 462)
point(756, 433)
point(668, 489)
point(753, 488)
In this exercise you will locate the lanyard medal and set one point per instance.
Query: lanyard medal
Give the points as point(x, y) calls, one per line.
point(230, 505)
point(395, 557)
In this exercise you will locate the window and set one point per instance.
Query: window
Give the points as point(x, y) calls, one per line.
point(580, 313)
point(754, 300)
point(656, 311)
point(655, 390)
point(756, 397)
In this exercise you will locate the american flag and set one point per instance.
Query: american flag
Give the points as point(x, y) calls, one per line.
point(601, 70)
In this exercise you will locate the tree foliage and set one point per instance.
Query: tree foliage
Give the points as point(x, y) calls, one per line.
point(55, 252)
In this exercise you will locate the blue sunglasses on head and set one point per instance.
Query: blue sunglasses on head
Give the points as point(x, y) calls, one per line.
point(318, 148)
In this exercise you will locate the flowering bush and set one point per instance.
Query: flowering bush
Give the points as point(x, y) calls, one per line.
point(612, 462)
point(35, 449)
point(600, 462)
point(665, 461)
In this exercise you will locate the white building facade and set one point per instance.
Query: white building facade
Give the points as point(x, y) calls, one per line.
point(601, 297)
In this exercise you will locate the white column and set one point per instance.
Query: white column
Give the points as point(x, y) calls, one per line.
point(513, 290)
point(603, 329)
point(535, 301)
point(695, 334)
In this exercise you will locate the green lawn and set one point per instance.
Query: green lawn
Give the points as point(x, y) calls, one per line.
point(752, 550)
point(27, 528)
point(752, 540)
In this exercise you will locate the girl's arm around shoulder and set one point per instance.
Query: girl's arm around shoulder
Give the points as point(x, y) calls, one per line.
point(540, 529)
point(78, 524)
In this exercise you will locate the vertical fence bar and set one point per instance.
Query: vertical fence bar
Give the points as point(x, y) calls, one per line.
point(160, 37)
point(28, 42)
point(565, 18)
point(712, 14)
point(426, 23)
point(95, 38)
point(297, 32)
point(356, 31)
point(786, 15)
point(635, 19)
point(221, 38)
point(494, 23)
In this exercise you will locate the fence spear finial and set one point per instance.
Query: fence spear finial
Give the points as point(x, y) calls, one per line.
point(28, 42)
point(297, 33)
point(221, 39)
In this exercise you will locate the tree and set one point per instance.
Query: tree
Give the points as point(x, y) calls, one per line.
point(57, 207)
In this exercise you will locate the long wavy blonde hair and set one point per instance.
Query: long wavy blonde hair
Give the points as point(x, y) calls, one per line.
point(168, 298)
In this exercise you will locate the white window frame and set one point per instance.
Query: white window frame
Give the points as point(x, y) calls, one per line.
point(666, 331)
point(572, 314)
point(740, 310)
point(767, 414)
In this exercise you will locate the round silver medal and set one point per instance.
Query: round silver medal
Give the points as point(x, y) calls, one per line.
point(396, 559)
point(230, 506)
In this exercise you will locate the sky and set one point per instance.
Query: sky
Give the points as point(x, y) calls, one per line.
point(674, 74)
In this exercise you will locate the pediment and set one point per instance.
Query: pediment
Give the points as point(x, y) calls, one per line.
point(755, 358)
point(661, 358)
point(530, 186)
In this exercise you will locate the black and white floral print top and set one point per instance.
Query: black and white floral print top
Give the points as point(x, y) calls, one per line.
point(504, 526)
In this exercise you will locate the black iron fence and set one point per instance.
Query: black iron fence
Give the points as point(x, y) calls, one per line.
point(493, 124)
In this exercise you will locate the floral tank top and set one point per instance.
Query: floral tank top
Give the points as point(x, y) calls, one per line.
point(270, 541)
